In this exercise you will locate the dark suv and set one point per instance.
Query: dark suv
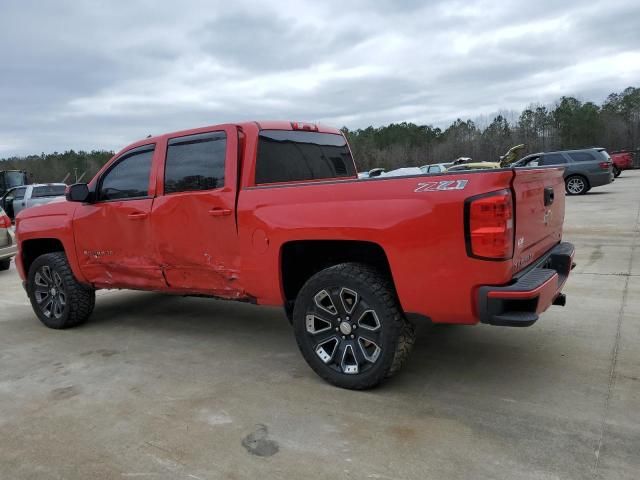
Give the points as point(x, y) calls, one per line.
point(584, 169)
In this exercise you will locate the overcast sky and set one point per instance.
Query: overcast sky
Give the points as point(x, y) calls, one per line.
point(88, 75)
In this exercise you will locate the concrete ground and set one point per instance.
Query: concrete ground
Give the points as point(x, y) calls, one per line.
point(186, 388)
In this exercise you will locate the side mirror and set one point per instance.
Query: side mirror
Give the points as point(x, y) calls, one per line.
point(78, 192)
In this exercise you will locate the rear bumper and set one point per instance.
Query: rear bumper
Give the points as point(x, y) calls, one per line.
point(520, 303)
point(601, 178)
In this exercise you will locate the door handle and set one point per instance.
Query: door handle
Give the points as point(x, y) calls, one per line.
point(219, 212)
point(549, 196)
point(137, 216)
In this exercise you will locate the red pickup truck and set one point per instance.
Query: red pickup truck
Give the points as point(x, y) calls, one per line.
point(273, 213)
point(621, 161)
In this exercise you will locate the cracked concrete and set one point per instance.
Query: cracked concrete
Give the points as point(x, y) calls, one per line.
point(167, 387)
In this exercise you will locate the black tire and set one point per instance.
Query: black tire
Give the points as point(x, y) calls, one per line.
point(5, 264)
point(616, 171)
point(369, 336)
point(57, 298)
point(576, 185)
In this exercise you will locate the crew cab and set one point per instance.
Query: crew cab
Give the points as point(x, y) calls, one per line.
point(273, 213)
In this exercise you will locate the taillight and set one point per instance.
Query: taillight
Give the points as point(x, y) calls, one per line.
point(605, 165)
point(489, 226)
point(5, 221)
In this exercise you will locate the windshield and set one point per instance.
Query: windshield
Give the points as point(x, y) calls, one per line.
point(14, 179)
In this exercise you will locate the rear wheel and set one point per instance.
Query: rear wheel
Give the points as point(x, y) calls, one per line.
point(616, 171)
point(349, 326)
point(576, 185)
point(5, 264)
point(57, 298)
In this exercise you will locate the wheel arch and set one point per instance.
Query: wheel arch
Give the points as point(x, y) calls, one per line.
point(301, 259)
point(31, 249)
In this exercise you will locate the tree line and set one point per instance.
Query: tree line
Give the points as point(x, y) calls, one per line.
point(569, 123)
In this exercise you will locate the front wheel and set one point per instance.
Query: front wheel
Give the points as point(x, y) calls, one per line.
point(57, 298)
point(350, 328)
point(5, 264)
point(576, 185)
point(616, 171)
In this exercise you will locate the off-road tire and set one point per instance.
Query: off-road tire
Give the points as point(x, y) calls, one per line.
point(375, 291)
point(5, 264)
point(79, 299)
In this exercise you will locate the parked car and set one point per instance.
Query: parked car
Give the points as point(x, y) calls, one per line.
point(8, 247)
point(20, 198)
point(621, 161)
point(436, 167)
point(402, 172)
point(584, 169)
point(277, 216)
point(473, 166)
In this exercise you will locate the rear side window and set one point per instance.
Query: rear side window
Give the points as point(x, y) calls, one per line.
point(195, 162)
point(291, 156)
point(48, 191)
point(582, 156)
point(129, 178)
point(553, 159)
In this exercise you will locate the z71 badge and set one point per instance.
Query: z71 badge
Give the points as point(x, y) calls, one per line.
point(441, 186)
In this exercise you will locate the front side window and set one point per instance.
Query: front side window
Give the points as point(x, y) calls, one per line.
point(48, 191)
point(554, 159)
point(291, 156)
point(18, 193)
point(195, 162)
point(582, 156)
point(129, 178)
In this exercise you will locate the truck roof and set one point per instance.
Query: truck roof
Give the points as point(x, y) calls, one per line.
point(261, 124)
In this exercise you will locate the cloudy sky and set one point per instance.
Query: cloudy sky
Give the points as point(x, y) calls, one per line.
point(87, 75)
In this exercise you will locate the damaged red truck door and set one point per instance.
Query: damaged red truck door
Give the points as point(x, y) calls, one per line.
point(193, 216)
point(113, 237)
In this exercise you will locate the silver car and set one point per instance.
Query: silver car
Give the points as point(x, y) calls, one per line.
point(20, 198)
point(8, 246)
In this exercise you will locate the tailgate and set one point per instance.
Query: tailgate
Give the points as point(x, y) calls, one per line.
point(539, 205)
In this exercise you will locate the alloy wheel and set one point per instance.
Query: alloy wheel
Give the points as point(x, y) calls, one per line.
point(344, 330)
point(575, 185)
point(49, 292)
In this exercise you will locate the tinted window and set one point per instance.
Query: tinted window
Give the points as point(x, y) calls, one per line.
point(129, 178)
point(554, 159)
point(18, 193)
point(195, 162)
point(289, 156)
point(48, 191)
point(582, 156)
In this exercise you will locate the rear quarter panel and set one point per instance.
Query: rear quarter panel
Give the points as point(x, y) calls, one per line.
point(421, 231)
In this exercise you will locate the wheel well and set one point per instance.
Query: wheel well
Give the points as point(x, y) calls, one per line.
point(302, 259)
point(586, 180)
point(32, 249)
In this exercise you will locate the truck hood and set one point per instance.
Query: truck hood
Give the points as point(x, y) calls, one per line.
point(59, 206)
